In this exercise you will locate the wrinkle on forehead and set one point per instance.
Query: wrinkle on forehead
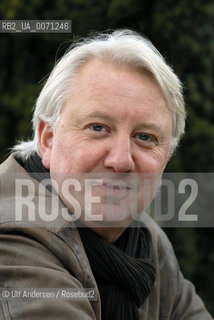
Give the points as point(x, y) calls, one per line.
point(92, 69)
point(90, 79)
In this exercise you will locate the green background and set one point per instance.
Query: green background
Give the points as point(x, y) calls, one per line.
point(182, 30)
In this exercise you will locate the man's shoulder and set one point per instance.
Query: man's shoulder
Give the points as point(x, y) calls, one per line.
point(156, 231)
point(25, 202)
point(162, 249)
point(10, 165)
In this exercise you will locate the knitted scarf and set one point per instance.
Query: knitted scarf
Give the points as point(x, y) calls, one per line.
point(123, 270)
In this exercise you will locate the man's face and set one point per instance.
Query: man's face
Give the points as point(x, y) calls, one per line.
point(115, 121)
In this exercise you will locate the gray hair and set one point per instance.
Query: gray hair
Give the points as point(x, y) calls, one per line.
point(122, 47)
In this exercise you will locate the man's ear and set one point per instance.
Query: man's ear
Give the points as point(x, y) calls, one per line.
point(168, 158)
point(45, 136)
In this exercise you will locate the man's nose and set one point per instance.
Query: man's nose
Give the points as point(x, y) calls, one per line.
point(119, 156)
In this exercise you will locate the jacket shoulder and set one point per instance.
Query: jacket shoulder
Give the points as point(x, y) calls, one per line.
point(25, 201)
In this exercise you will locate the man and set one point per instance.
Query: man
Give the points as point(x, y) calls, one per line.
point(108, 119)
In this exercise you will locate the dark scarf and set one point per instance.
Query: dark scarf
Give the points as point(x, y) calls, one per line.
point(124, 271)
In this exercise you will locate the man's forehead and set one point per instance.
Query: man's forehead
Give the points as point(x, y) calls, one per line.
point(100, 83)
point(102, 80)
point(97, 69)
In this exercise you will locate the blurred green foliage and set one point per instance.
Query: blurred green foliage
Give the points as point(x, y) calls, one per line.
point(182, 30)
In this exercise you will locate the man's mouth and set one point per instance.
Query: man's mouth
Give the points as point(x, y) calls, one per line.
point(115, 186)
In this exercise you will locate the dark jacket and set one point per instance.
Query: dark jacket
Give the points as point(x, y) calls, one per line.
point(49, 254)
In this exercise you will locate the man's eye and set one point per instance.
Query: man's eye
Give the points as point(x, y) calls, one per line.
point(97, 127)
point(143, 137)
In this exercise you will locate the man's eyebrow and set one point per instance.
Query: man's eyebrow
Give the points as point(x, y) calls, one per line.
point(99, 114)
point(150, 125)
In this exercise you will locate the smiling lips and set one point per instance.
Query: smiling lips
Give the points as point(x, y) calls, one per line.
point(115, 187)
